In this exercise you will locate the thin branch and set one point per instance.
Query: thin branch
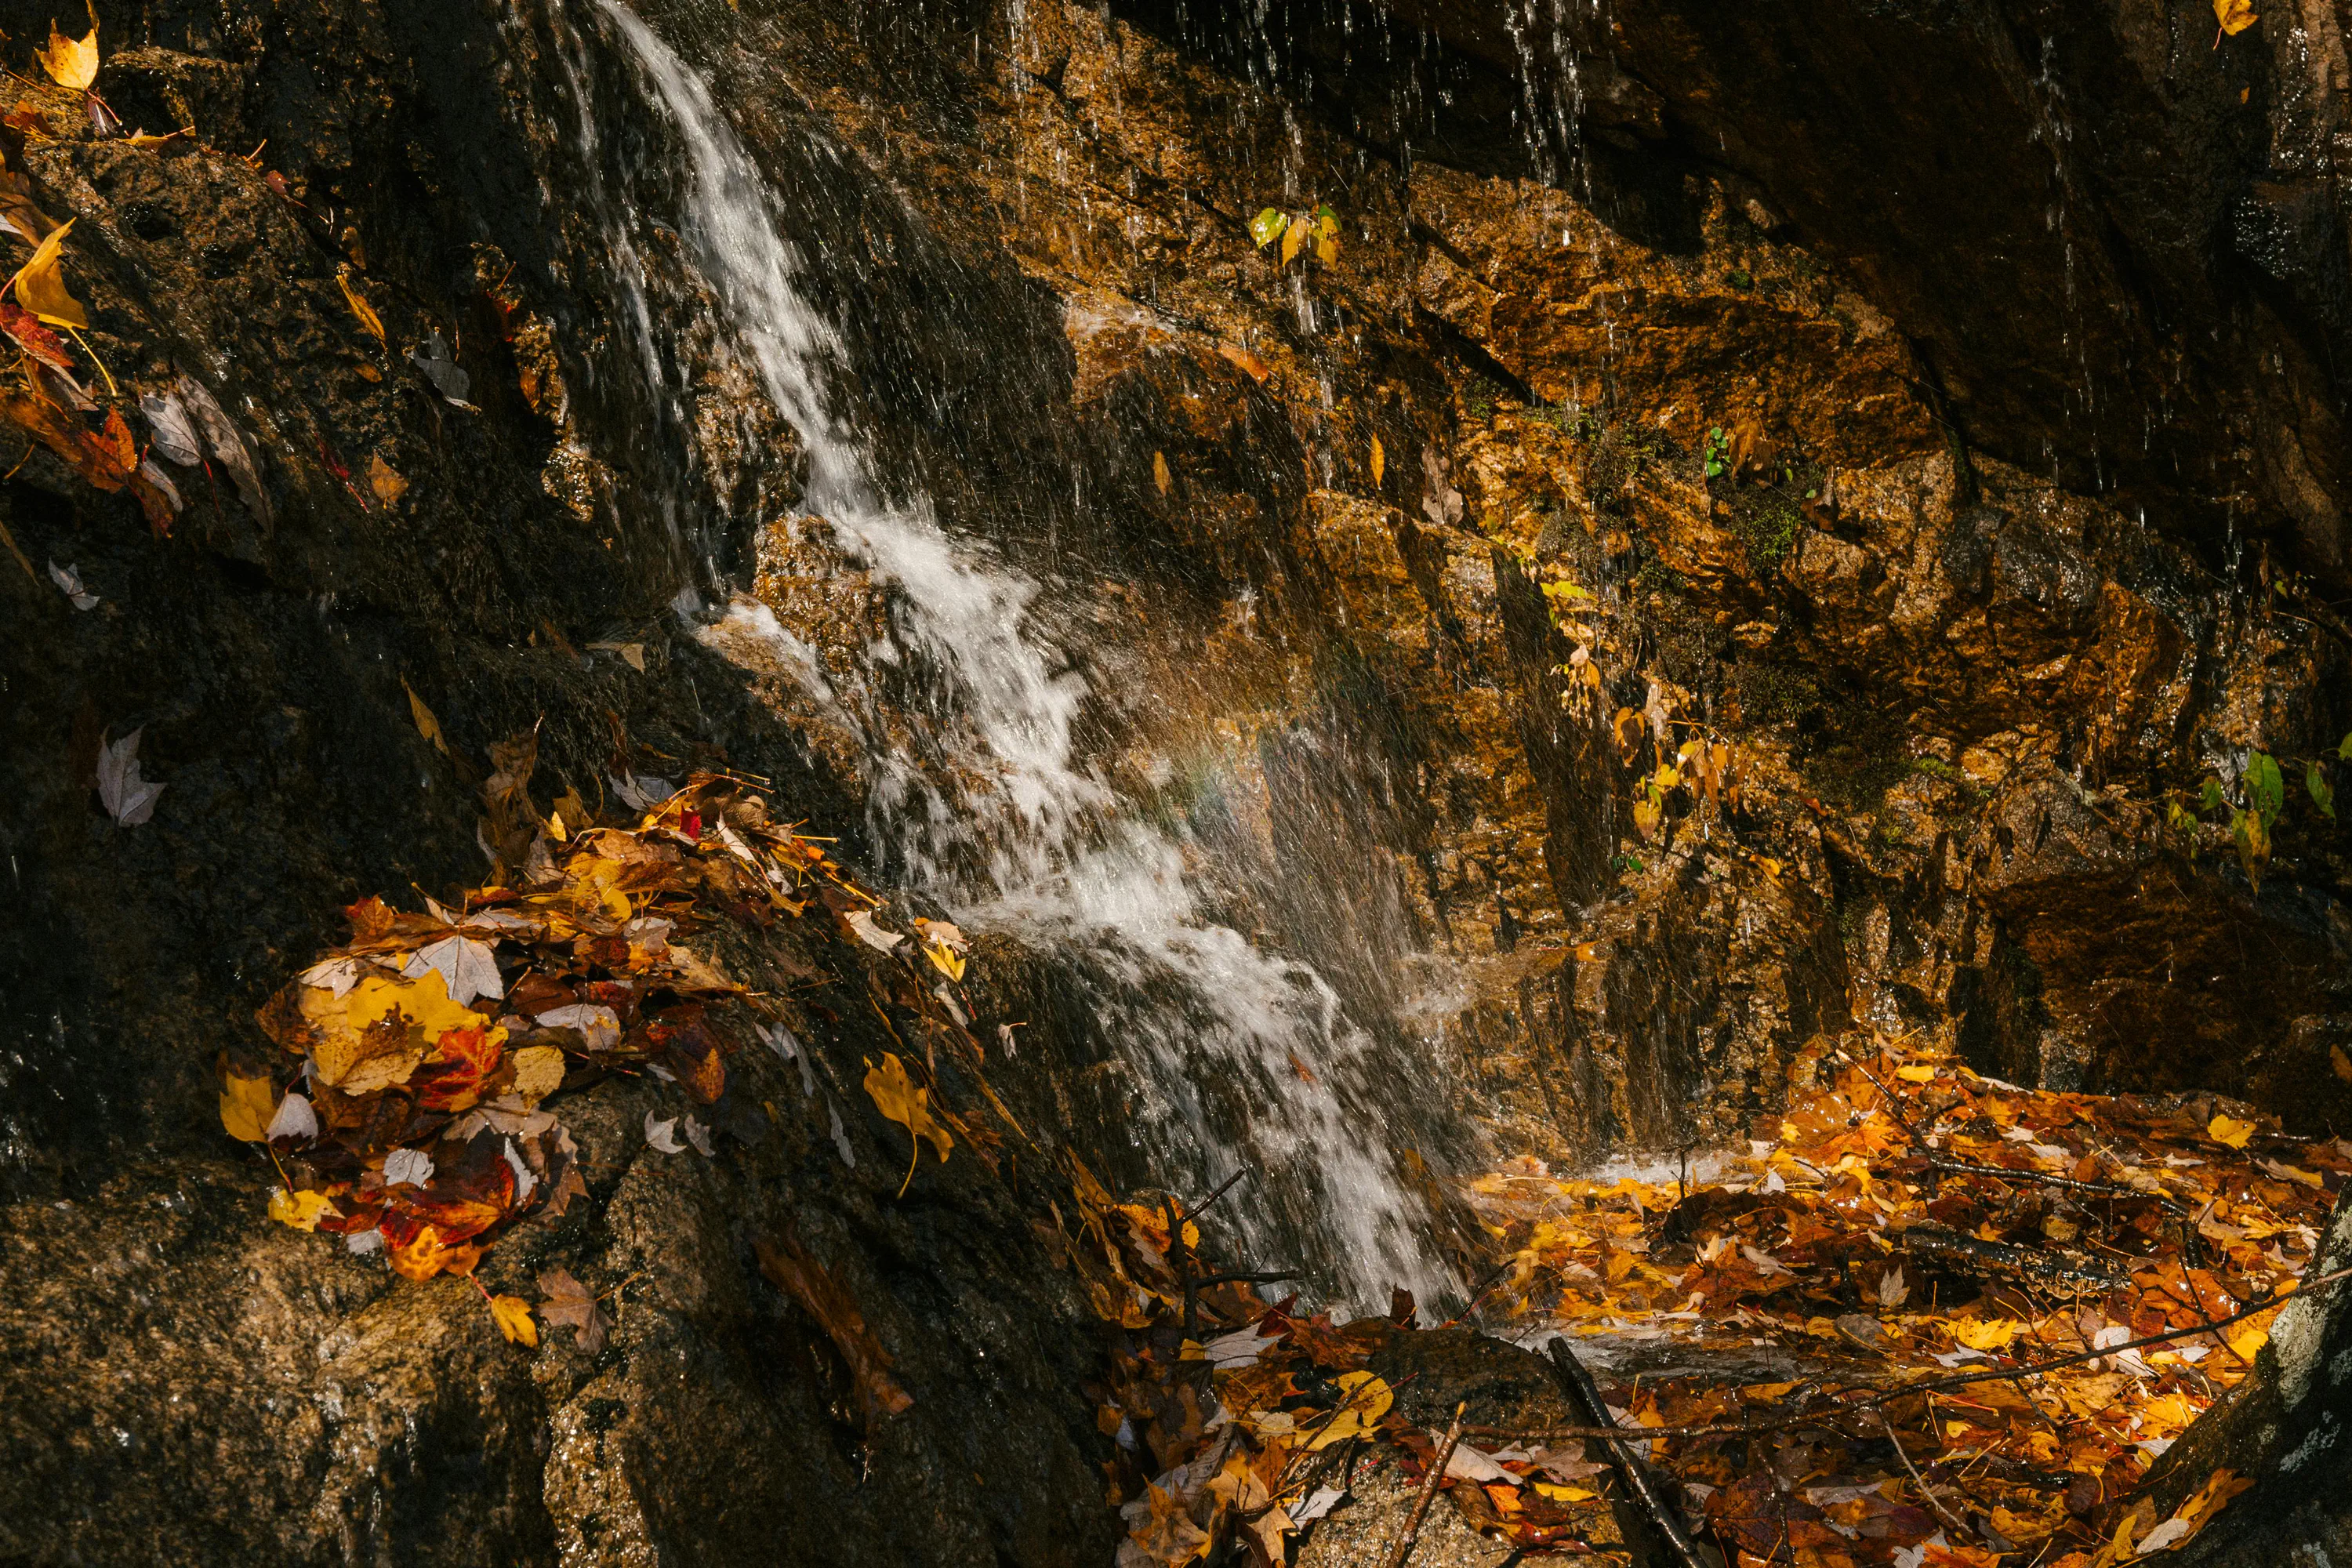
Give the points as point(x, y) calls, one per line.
point(1403, 1548)
point(1933, 1500)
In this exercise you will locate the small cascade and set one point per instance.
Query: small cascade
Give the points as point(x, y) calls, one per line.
point(1238, 1058)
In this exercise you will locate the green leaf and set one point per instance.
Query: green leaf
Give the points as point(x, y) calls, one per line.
point(2345, 751)
point(2210, 797)
point(2265, 787)
point(2253, 835)
point(1269, 227)
point(2322, 793)
point(1326, 222)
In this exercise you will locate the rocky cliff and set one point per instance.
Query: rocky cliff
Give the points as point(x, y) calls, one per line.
point(1613, 575)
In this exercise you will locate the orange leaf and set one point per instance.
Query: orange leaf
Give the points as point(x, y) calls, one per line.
point(805, 1281)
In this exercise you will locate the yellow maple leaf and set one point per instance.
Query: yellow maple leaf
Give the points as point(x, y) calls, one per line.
point(2235, 16)
point(896, 1095)
point(373, 1035)
point(538, 1073)
point(1365, 1399)
point(246, 1105)
point(945, 960)
point(512, 1314)
point(42, 290)
point(1918, 1074)
point(2222, 1129)
point(301, 1210)
point(71, 62)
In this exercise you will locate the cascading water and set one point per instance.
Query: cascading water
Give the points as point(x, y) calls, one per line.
point(1241, 1058)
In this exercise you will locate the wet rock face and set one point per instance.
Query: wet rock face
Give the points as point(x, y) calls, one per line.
point(2112, 241)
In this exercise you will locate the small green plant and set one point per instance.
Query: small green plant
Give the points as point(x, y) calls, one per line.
point(2260, 801)
point(1623, 863)
point(1717, 452)
point(1739, 278)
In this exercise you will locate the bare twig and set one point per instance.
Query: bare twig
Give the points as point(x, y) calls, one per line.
point(2111, 1189)
point(1578, 1384)
point(1933, 1500)
point(1222, 1188)
point(1403, 1548)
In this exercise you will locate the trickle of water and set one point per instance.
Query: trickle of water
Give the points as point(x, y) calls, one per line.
point(1241, 1058)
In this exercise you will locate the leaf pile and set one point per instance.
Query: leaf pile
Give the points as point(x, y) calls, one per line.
point(1239, 1421)
point(415, 1115)
point(1910, 1224)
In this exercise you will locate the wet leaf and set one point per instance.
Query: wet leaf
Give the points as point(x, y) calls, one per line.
point(800, 1276)
point(2235, 16)
point(68, 582)
point(1268, 227)
point(246, 1107)
point(466, 968)
point(568, 1303)
point(662, 1135)
point(1159, 475)
point(2322, 793)
point(169, 429)
point(294, 1118)
point(411, 1167)
point(2228, 1130)
point(1364, 1399)
point(72, 63)
point(451, 381)
point(359, 306)
point(427, 724)
point(35, 339)
point(1294, 239)
point(2265, 787)
point(1380, 461)
point(41, 288)
point(897, 1097)
point(129, 799)
point(301, 1210)
point(388, 486)
point(1984, 1334)
point(872, 935)
point(512, 1314)
point(227, 444)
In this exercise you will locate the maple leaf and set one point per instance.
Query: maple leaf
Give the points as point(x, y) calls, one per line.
point(376, 1034)
point(800, 1276)
point(33, 338)
point(2234, 16)
point(247, 1106)
point(129, 799)
point(41, 289)
point(71, 63)
point(538, 1073)
point(466, 966)
point(569, 1302)
point(897, 1097)
point(512, 1314)
point(227, 443)
point(427, 1253)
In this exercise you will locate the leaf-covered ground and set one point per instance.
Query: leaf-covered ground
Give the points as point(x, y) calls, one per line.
point(1911, 1326)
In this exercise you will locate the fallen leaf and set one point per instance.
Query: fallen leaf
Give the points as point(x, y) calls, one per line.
point(72, 63)
point(375, 1034)
point(246, 1107)
point(538, 1073)
point(1159, 474)
point(898, 1097)
point(663, 1135)
point(1893, 1289)
point(512, 1314)
point(388, 486)
point(128, 798)
point(1917, 1072)
point(1984, 1334)
point(41, 289)
point(1380, 461)
point(427, 724)
point(451, 381)
point(358, 302)
point(68, 581)
point(301, 1210)
point(569, 1303)
point(874, 936)
point(2225, 1130)
point(295, 1119)
point(800, 1276)
point(428, 1253)
point(227, 442)
point(169, 431)
point(466, 968)
point(33, 338)
point(2235, 16)
point(410, 1167)
point(1365, 1398)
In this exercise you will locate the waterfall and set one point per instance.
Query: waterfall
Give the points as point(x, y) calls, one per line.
point(1240, 1058)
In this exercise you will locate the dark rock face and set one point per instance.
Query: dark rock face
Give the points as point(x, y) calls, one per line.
point(2115, 246)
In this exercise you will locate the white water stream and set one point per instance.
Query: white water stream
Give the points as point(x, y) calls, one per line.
point(1238, 1057)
